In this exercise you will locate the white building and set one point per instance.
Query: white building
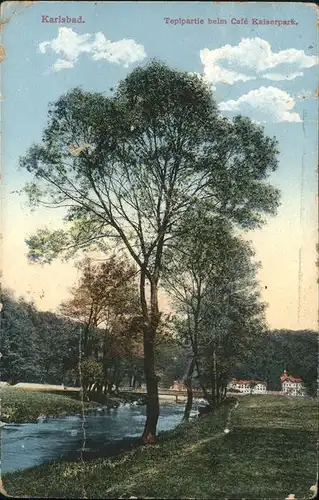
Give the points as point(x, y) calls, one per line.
point(260, 387)
point(248, 386)
point(292, 386)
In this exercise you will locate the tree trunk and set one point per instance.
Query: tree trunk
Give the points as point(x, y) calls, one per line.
point(99, 388)
point(105, 380)
point(188, 384)
point(112, 379)
point(215, 392)
point(201, 383)
point(151, 321)
point(85, 390)
point(118, 380)
point(152, 402)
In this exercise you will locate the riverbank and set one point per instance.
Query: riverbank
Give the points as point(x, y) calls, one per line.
point(21, 405)
point(268, 438)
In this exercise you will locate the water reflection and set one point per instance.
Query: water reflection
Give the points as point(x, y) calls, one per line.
point(29, 445)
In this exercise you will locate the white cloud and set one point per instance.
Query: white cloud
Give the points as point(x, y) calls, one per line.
point(216, 74)
point(254, 56)
point(266, 104)
point(121, 52)
point(69, 45)
point(280, 76)
point(62, 64)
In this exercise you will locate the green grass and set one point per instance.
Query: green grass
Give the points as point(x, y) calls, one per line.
point(270, 452)
point(22, 405)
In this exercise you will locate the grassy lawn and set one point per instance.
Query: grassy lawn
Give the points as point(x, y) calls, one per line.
point(21, 405)
point(269, 452)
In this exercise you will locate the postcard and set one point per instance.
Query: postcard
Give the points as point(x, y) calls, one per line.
point(159, 251)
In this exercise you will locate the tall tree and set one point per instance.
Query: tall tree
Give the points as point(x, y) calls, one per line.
point(129, 167)
point(211, 277)
point(233, 321)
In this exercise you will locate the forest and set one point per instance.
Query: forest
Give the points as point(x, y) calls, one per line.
point(43, 347)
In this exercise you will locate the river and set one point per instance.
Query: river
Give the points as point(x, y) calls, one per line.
point(30, 445)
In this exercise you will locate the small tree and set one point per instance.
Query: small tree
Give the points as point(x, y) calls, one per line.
point(91, 373)
point(106, 303)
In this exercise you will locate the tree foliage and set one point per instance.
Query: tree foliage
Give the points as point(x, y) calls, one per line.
point(36, 346)
point(106, 302)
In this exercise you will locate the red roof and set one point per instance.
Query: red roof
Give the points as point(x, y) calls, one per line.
point(289, 378)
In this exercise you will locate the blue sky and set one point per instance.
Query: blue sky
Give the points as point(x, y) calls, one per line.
point(268, 73)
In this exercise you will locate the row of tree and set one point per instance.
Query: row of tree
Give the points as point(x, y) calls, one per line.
point(132, 170)
point(95, 340)
point(49, 348)
point(44, 347)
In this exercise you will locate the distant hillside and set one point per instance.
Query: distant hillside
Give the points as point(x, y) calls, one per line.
point(297, 351)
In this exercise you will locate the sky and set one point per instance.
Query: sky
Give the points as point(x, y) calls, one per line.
point(260, 60)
